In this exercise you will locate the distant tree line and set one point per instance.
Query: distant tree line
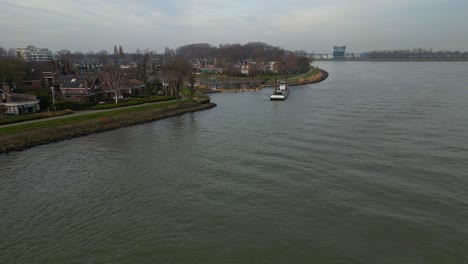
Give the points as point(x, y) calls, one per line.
point(416, 53)
point(232, 53)
point(11, 70)
point(7, 53)
point(150, 67)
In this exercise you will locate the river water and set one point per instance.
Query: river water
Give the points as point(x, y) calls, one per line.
point(369, 166)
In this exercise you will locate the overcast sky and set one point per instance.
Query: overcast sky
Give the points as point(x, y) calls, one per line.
point(310, 25)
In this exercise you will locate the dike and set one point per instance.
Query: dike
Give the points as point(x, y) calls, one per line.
point(322, 76)
point(29, 139)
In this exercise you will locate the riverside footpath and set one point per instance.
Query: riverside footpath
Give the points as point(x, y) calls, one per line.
point(81, 113)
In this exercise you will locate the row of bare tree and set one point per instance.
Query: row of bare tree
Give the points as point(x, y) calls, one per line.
point(11, 70)
point(7, 53)
point(233, 53)
point(175, 73)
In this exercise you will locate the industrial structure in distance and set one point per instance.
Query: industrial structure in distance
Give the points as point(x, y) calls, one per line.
point(339, 52)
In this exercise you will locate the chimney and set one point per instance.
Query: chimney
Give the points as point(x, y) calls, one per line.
point(6, 95)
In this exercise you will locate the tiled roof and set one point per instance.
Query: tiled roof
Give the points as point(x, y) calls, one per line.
point(71, 81)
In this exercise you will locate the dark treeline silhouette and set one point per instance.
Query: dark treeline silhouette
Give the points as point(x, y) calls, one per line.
point(231, 53)
point(418, 53)
point(6, 54)
point(228, 55)
point(260, 57)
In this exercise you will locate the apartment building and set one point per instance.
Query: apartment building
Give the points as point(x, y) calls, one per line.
point(32, 53)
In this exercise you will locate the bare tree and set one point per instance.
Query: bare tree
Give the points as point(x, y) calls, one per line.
point(3, 52)
point(90, 55)
point(7, 54)
point(192, 89)
point(64, 55)
point(78, 55)
point(176, 71)
point(145, 67)
point(11, 53)
point(102, 56)
point(121, 52)
point(113, 81)
point(11, 71)
point(169, 54)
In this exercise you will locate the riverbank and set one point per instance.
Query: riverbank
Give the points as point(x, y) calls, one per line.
point(23, 136)
point(399, 59)
point(322, 75)
point(314, 76)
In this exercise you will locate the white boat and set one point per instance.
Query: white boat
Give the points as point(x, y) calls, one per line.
point(281, 91)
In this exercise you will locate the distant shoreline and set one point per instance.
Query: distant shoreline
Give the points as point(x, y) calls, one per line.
point(398, 60)
point(316, 78)
point(320, 77)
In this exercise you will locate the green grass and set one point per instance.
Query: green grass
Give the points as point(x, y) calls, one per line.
point(136, 101)
point(114, 105)
point(18, 119)
point(201, 95)
point(154, 99)
point(271, 76)
point(309, 74)
point(81, 118)
point(186, 92)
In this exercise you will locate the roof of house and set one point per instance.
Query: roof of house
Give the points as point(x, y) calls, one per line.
point(16, 100)
point(71, 81)
point(48, 74)
point(34, 69)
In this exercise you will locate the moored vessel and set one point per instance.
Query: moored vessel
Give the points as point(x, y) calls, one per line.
point(281, 90)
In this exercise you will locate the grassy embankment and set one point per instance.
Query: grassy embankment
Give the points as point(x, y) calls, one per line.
point(23, 136)
point(314, 74)
point(66, 106)
point(308, 76)
point(136, 101)
point(269, 77)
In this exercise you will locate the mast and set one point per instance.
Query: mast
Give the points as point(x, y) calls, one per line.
point(276, 86)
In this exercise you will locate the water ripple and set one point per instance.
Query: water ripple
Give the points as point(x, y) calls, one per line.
point(367, 167)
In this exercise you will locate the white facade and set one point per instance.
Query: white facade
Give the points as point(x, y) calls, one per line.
point(21, 108)
point(32, 53)
point(272, 67)
point(322, 56)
